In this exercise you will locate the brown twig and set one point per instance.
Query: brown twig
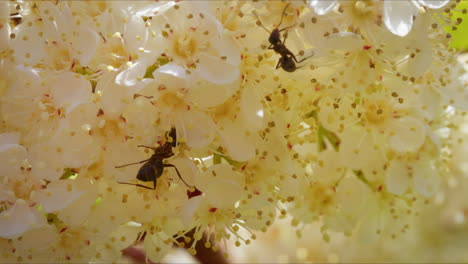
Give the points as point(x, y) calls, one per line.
point(206, 255)
point(137, 255)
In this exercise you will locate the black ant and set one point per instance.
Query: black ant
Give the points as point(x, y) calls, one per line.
point(154, 166)
point(287, 61)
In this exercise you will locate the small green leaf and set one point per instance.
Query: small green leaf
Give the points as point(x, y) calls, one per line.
point(159, 62)
point(460, 35)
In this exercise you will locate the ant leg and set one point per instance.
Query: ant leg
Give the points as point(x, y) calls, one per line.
point(288, 52)
point(279, 63)
point(178, 173)
point(121, 166)
point(139, 185)
point(305, 58)
point(143, 146)
point(271, 46)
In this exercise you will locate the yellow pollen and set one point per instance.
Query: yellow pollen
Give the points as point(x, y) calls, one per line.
point(377, 112)
point(171, 100)
point(185, 46)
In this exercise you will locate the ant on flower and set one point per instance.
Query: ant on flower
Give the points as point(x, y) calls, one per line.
point(154, 166)
point(287, 61)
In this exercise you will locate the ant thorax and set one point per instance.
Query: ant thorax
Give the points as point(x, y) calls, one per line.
point(164, 151)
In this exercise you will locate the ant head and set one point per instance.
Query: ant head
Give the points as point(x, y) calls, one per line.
point(288, 64)
point(275, 37)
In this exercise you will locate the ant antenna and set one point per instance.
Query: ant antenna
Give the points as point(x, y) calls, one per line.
point(143, 146)
point(259, 22)
point(139, 185)
point(121, 166)
point(282, 15)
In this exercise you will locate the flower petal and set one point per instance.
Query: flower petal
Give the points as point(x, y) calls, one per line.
point(321, 7)
point(238, 146)
point(397, 178)
point(251, 109)
point(206, 94)
point(222, 193)
point(12, 157)
point(222, 185)
point(171, 69)
point(434, 4)
point(85, 45)
point(228, 49)
point(155, 8)
point(346, 41)
point(188, 210)
point(28, 50)
point(351, 194)
point(58, 195)
point(132, 75)
point(217, 70)
point(398, 16)
point(45, 162)
point(420, 63)
point(4, 35)
point(198, 128)
point(425, 179)
point(70, 90)
point(187, 168)
point(17, 220)
point(407, 134)
point(9, 138)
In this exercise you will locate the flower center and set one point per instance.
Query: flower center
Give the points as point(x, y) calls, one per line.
point(59, 54)
point(377, 112)
point(362, 8)
point(185, 46)
point(171, 100)
point(22, 189)
point(361, 12)
point(110, 128)
point(227, 110)
point(229, 20)
point(47, 108)
point(116, 54)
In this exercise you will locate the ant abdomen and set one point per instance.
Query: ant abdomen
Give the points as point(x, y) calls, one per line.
point(148, 171)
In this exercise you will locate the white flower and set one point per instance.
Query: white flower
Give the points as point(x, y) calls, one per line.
point(41, 99)
point(22, 194)
point(423, 174)
point(181, 100)
point(398, 16)
point(48, 49)
point(197, 43)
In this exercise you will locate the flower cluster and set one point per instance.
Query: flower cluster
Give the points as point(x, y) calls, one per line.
point(160, 123)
